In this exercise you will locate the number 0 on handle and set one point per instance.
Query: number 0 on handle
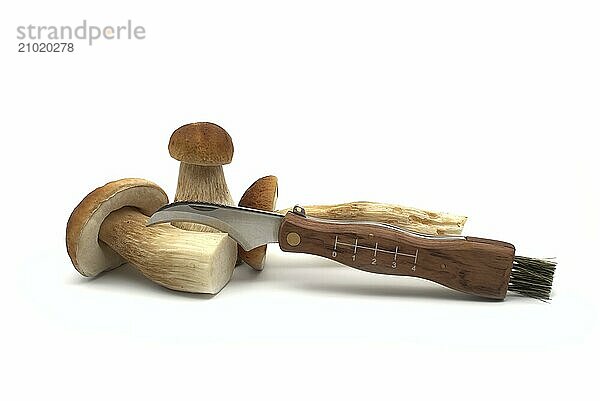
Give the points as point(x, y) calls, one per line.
point(472, 265)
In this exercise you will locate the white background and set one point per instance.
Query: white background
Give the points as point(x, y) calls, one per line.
point(488, 109)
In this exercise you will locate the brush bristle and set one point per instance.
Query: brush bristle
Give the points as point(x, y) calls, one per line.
point(532, 277)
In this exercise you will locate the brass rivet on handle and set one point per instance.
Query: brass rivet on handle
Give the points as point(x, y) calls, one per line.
point(293, 239)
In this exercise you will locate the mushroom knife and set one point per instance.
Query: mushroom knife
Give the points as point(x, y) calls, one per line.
point(472, 265)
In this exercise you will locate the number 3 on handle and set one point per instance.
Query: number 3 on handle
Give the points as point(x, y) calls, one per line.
point(472, 265)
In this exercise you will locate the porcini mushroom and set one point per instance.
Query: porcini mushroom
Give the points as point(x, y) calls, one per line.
point(202, 148)
point(262, 195)
point(108, 229)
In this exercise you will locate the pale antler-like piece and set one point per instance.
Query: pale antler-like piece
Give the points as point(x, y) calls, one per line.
point(418, 220)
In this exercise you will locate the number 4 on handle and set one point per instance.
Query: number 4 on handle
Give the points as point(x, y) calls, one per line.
point(472, 265)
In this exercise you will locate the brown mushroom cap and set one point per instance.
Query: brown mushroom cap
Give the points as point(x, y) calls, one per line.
point(202, 144)
point(262, 195)
point(89, 255)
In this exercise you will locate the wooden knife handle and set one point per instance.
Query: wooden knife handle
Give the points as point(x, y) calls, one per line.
point(472, 265)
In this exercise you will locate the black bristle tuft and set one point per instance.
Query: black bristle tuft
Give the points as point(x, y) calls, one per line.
point(532, 277)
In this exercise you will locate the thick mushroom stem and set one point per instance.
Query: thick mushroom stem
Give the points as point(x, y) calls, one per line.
point(203, 148)
point(201, 182)
point(418, 220)
point(177, 259)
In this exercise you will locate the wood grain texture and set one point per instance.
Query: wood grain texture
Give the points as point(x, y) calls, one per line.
point(177, 259)
point(418, 220)
point(471, 265)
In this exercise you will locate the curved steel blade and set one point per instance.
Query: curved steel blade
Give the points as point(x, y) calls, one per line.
point(248, 227)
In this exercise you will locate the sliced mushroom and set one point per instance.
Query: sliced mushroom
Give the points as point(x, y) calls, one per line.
point(108, 229)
